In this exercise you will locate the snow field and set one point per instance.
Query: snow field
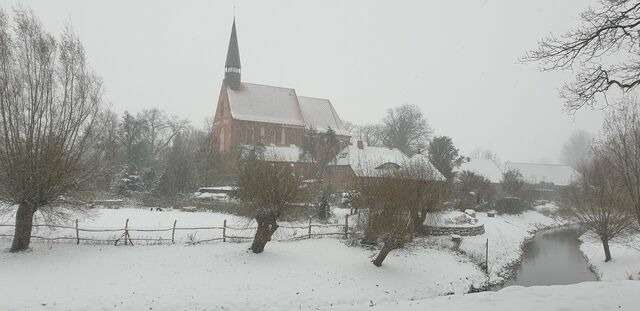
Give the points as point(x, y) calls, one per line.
point(588, 296)
point(308, 274)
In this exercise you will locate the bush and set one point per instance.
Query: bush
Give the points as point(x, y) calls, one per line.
point(511, 205)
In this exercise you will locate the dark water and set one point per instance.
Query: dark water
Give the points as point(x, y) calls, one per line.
point(553, 257)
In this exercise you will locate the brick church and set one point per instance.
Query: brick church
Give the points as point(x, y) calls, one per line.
point(249, 113)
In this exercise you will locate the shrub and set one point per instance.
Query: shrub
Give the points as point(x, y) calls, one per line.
point(511, 205)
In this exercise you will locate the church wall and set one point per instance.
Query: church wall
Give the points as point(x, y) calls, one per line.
point(250, 132)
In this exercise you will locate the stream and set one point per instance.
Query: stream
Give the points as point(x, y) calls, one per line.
point(552, 257)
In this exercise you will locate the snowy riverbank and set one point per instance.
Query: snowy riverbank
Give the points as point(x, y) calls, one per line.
point(625, 253)
point(507, 235)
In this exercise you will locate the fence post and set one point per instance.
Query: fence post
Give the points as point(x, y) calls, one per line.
point(77, 233)
point(224, 231)
point(309, 226)
point(173, 232)
point(126, 231)
point(486, 257)
point(346, 226)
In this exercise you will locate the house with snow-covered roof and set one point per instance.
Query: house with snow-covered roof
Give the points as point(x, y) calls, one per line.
point(423, 160)
point(483, 167)
point(361, 161)
point(252, 114)
point(535, 173)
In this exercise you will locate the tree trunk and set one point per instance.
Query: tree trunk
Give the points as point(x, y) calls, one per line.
point(266, 227)
point(370, 236)
point(386, 249)
point(607, 252)
point(24, 224)
point(418, 219)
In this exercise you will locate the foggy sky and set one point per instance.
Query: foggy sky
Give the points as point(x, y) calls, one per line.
point(457, 60)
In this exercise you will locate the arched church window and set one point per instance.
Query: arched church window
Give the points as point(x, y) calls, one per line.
point(250, 136)
point(273, 137)
point(292, 137)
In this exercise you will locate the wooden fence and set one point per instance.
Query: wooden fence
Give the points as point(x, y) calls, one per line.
point(227, 232)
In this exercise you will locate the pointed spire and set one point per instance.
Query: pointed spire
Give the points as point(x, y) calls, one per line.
point(233, 53)
point(232, 65)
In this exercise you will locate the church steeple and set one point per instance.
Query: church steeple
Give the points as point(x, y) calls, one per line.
point(232, 65)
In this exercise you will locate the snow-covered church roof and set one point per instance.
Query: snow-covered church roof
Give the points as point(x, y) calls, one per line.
point(319, 113)
point(484, 167)
point(262, 103)
point(271, 104)
point(533, 173)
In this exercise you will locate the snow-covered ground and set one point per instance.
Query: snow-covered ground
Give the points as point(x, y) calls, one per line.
point(547, 207)
point(307, 274)
point(588, 296)
point(304, 274)
point(625, 253)
point(506, 234)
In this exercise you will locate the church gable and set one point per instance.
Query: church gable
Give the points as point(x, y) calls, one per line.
point(250, 113)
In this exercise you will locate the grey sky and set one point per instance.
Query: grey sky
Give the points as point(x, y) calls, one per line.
point(457, 60)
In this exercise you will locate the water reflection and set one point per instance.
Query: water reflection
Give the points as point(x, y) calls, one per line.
point(553, 257)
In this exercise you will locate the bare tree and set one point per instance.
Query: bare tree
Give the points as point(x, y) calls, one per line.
point(349, 126)
point(621, 144)
point(49, 100)
point(397, 200)
point(406, 128)
point(268, 187)
point(599, 202)
point(320, 148)
point(429, 189)
point(370, 134)
point(607, 32)
point(577, 149)
point(158, 130)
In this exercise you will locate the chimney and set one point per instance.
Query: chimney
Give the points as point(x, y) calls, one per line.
point(360, 144)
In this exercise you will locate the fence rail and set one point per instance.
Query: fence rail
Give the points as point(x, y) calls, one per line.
point(125, 237)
